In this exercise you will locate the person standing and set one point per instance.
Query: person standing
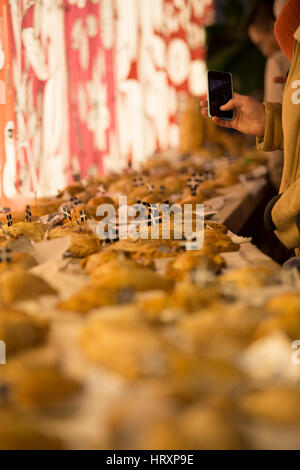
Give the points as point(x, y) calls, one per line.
point(277, 126)
point(261, 31)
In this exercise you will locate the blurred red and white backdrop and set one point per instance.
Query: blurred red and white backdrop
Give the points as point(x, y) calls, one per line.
point(93, 85)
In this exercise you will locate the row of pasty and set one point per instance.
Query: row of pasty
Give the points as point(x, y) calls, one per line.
point(173, 336)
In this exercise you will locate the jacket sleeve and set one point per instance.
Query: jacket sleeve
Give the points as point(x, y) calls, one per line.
point(283, 216)
point(273, 138)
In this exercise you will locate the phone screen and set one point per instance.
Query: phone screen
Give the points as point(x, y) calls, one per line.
point(220, 92)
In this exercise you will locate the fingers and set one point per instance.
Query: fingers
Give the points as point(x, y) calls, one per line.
point(280, 80)
point(237, 100)
point(204, 106)
point(228, 106)
point(222, 123)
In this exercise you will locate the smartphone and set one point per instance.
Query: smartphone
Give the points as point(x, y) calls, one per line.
point(220, 91)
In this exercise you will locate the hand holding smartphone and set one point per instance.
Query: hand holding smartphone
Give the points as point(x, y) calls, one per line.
point(220, 91)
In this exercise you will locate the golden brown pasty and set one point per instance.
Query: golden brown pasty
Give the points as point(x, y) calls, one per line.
point(207, 259)
point(153, 306)
point(153, 198)
point(216, 226)
point(35, 231)
point(115, 275)
point(154, 421)
point(287, 303)
point(207, 428)
point(39, 210)
point(83, 243)
point(17, 285)
point(66, 230)
point(250, 276)
point(84, 196)
point(284, 315)
point(120, 348)
point(122, 185)
point(175, 183)
point(144, 424)
point(99, 200)
point(131, 349)
point(93, 205)
point(17, 216)
point(73, 189)
point(137, 194)
point(89, 297)
point(19, 330)
point(216, 239)
point(277, 405)
point(231, 326)
point(228, 177)
point(22, 261)
point(114, 282)
point(190, 297)
point(143, 246)
point(37, 385)
point(19, 431)
point(98, 259)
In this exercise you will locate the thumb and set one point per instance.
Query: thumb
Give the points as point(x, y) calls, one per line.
point(228, 106)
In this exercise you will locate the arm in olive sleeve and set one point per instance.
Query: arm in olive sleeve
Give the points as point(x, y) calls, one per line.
point(273, 138)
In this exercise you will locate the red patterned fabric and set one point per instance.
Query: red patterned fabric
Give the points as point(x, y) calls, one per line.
point(8, 171)
point(99, 82)
point(286, 26)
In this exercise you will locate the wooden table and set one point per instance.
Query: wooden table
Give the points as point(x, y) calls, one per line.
point(248, 255)
point(240, 203)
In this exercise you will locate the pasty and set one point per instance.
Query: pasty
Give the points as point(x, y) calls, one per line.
point(277, 405)
point(19, 330)
point(35, 231)
point(22, 261)
point(19, 431)
point(17, 285)
point(37, 385)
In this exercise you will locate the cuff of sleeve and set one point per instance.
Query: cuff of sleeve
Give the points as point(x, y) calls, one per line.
point(269, 223)
point(273, 137)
